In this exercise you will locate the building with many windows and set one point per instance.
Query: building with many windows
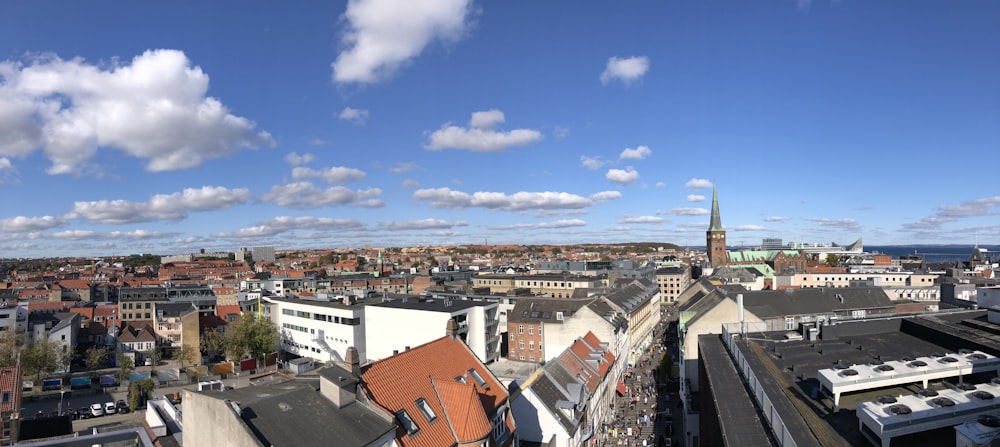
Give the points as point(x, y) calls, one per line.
point(422, 319)
point(672, 281)
point(322, 327)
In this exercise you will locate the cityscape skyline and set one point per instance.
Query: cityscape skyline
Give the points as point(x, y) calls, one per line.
point(129, 128)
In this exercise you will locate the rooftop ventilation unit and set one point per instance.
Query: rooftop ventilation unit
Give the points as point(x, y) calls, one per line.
point(884, 368)
point(927, 392)
point(917, 364)
point(885, 399)
point(848, 372)
point(984, 395)
point(989, 420)
point(943, 402)
point(948, 360)
point(966, 386)
point(900, 409)
point(965, 351)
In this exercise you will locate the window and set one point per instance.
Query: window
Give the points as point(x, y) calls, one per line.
point(479, 379)
point(520, 345)
point(520, 329)
point(6, 397)
point(426, 409)
point(407, 422)
point(460, 379)
point(512, 337)
point(531, 330)
point(539, 329)
point(531, 346)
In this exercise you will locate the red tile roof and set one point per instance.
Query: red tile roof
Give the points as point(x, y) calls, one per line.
point(429, 371)
point(10, 382)
point(227, 309)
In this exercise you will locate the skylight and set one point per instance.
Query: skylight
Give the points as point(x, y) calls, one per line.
point(426, 409)
point(407, 422)
point(479, 379)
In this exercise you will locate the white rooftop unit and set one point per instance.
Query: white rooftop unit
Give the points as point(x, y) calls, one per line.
point(982, 432)
point(845, 379)
point(889, 417)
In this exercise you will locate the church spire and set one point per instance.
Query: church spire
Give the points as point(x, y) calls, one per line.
point(716, 222)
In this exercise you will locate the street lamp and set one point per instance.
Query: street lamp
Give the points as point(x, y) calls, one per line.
point(61, 394)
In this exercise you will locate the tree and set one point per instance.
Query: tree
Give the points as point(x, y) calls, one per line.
point(155, 356)
point(556, 251)
point(42, 358)
point(213, 342)
point(125, 366)
point(832, 260)
point(186, 355)
point(250, 337)
point(139, 392)
point(96, 356)
point(11, 343)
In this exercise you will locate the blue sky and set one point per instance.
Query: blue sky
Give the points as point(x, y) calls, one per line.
point(132, 127)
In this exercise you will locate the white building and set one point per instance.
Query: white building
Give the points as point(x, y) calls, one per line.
point(393, 325)
point(320, 328)
point(13, 317)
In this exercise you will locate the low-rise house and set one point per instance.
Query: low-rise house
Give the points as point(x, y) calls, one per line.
point(441, 395)
point(59, 327)
point(136, 336)
point(10, 404)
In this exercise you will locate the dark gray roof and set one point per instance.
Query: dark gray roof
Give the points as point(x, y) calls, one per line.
point(340, 377)
point(171, 310)
point(779, 303)
point(609, 313)
point(558, 389)
point(295, 414)
point(431, 304)
point(530, 310)
point(630, 297)
point(738, 420)
point(361, 302)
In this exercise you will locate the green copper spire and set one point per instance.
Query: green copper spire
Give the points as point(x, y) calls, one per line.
point(716, 223)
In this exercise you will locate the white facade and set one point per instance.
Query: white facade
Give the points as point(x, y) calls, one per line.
point(320, 330)
point(395, 325)
point(556, 337)
point(15, 317)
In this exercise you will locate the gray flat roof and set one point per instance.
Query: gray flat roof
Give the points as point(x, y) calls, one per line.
point(739, 420)
point(431, 304)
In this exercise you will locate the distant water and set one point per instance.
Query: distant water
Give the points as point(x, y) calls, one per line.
point(930, 253)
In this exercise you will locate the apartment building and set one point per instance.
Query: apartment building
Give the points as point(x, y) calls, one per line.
point(477, 323)
point(672, 281)
point(10, 404)
point(321, 327)
point(139, 303)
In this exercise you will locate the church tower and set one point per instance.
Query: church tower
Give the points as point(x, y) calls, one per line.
point(715, 237)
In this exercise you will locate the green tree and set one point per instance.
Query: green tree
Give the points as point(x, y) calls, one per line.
point(125, 366)
point(96, 356)
point(186, 355)
point(155, 355)
point(139, 392)
point(556, 251)
point(11, 343)
point(832, 260)
point(250, 337)
point(213, 342)
point(42, 358)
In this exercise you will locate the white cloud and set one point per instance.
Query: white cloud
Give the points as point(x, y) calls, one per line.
point(282, 224)
point(80, 235)
point(304, 195)
point(622, 176)
point(627, 69)
point(21, 224)
point(565, 223)
point(695, 198)
point(951, 213)
point(155, 109)
point(847, 224)
point(641, 220)
point(688, 211)
point(382, 35)
point(295, 159)
point(356, 116)
point(424, 224)
point(448, 198)
point(336, 174)
point(174, 206)
point(639, 153)
point(561, 132)
point(660, 184)
point(480, 135)
point(404, 167)
point(409, 184)
point(592, 163)
point(318, 142)
point(5, 164)
point(698, 183)
point(776, 219)
point(546, 214)
point(747, 228)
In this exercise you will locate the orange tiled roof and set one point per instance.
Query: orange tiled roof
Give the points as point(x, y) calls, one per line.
point(52, 306)
point(74, 284)
point(227, 309)
point(397, 382)
point(10, 382)
point(105, 310)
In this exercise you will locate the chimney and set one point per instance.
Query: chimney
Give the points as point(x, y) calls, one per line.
point(739, 305)
point(451, 328)
point(352, 360)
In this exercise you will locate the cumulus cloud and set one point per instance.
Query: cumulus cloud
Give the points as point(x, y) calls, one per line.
point(639, 153)
point(282, 224)
point(410, 184)
point(776, 219)
point(695, 198)
point(951, 213)
point(295, 159)
point(622, 176)
point(424, 224)
point(592, 163)
point(480, 136)
point(688, 211)
point(660, 184)
point(154, 109)
point(403, 167)
point(627, 70)
point(383, 35)
point(173, 207)
point(22, 224)
point(336, 174)
point(80, 235)
point(747, 228)
point(565, 223)
point(846, 224)
point(698, 183)
point(448, 198)
point(641, 220)
point(305, 195)
point(356, 116)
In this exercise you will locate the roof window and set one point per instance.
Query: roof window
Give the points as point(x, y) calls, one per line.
point(426, 409)
point(479, 379)
point(407, 422)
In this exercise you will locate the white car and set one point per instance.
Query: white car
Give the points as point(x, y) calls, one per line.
point(96, 410)
point(109, 408)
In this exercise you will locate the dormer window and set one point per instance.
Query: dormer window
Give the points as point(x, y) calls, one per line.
point(426, 409)
point(460, 379)
point(479, 379)
point(407, 422)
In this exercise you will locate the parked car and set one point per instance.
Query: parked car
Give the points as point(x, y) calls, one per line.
point(96, 410)
point(122, 406)
point(84, 413)
point(109, 408)
point(73, 414)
